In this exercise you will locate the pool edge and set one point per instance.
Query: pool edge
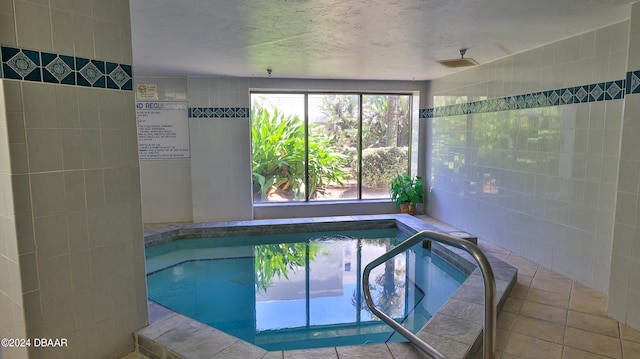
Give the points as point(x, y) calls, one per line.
point(455, 329)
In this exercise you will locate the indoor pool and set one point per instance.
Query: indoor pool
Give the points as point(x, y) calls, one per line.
point(295, 291)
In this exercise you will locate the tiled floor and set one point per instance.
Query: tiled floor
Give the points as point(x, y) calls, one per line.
point(549, 316)
point(134, 356)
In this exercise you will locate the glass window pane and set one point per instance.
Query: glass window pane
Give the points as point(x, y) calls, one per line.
point(334, 130)
point(278, 147)
point(333, 146)
point(385, 142)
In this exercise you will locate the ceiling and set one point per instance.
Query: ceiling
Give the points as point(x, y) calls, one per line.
point(348, 39)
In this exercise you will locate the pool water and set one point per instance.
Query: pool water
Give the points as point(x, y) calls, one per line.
point(299, 291)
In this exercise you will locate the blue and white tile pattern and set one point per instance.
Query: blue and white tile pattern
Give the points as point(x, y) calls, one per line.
point(58, 69)
point(633, 82)
point(603, 91)
point(218, 112)
point(30, 65)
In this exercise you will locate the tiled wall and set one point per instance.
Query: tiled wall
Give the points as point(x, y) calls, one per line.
point(11, 305)
point(220, 149)
point(536, 173)
point(624, 286)
point(77, 199)
point(76, 226)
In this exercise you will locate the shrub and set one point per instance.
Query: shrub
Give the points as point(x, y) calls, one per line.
point(381, 165)
point(278, 155)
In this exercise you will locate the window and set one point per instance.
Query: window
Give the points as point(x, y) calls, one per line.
point(328, 146)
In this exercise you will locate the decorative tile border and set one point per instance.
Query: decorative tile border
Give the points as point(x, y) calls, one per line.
point(633, 82)
point(603, 91)
point(218, 112)
point(30, 65)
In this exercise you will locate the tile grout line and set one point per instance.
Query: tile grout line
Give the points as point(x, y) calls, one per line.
point(564, 330)
point(620, 342)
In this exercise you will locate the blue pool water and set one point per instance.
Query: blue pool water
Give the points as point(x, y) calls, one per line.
point(299, 291)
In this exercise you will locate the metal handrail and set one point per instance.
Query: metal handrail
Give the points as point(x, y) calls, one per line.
point(489, 330)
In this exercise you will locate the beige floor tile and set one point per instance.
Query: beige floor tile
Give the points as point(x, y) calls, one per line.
point(506, 320)
point(524, 280)
point(526, 347)
point(572, 353)
point(544, 312)
point(539, 329)
point(593, 323)
point(134, 356)
point(630, 349)
point(502, 338)
point(513, 305)
point(519, 291)
point(551, 282)
point(592, 342)
point(587, 300)
point(630, 334)
point(525, 266)
point(560, 300)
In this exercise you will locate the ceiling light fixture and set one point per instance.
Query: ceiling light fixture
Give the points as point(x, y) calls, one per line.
point(461, 62)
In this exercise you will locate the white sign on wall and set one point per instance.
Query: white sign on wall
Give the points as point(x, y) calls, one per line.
point(163, 129)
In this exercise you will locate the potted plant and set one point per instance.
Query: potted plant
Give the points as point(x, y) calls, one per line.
point(407, 192)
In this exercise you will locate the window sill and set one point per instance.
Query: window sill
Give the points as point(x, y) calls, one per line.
point(320, 203)
point(323, 208)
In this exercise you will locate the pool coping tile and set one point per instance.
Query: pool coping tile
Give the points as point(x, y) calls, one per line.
point(462, 317)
